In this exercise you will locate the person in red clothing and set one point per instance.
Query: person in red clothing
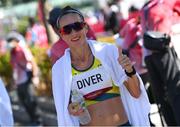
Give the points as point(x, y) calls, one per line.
point(58, 48)
point(25, 71)
point(36, 34)
point(160, 21)
point(168, 13)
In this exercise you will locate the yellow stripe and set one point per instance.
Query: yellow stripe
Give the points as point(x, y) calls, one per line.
point(115, 89)
point(90, 102)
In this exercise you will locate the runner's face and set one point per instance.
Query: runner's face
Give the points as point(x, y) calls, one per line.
point(72, 29)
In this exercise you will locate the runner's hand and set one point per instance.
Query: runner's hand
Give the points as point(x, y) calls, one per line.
point(75, 109)
point(124, 61)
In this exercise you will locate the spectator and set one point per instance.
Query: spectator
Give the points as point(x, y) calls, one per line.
point(111, 19)
point(24, 71)
point(36, 34)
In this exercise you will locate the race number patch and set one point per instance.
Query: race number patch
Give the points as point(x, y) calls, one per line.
point(92, 83)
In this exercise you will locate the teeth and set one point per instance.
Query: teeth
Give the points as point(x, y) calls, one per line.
point(75, 39)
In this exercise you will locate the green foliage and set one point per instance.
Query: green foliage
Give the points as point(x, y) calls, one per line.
point(4, 3)
point(43, 63)
point(5, 68)
point(22, 25)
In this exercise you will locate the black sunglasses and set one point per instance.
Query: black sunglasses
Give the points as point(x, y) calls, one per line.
point(77, 26)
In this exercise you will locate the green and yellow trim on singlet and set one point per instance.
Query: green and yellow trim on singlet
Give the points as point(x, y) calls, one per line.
point(114, 92)
point(108, 94)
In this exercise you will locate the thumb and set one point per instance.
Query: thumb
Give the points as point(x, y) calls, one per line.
point(133, 63)
point(120, 51)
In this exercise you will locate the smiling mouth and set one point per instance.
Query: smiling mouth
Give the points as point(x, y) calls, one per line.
point(75, 38)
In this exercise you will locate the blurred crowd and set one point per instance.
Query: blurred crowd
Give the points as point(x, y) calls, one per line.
point(126, 30)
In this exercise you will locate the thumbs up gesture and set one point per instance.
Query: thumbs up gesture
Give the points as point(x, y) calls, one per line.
point(124, 61)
